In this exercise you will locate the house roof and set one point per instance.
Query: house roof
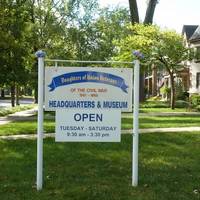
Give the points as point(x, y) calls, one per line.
point(189, 30)
point(196, 35)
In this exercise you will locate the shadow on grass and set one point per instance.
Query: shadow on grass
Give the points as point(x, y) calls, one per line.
point(26, 127)
point(163, 121)
point(168, 169)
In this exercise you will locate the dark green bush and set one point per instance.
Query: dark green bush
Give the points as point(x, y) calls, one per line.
point(195, 100)
point(198, 108)
point(182, 96)
point(182, 104)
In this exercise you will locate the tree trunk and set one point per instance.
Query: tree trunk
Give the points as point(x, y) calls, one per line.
point(36, 94)
point(134, 11)
point(141, 90)
point(35, 83)
point(172, 99)
point(148, 84)
point(154, 80)
point(149, 20)
point(12, 89)
point(150, 11)
point(17, 95)
point(2, 93)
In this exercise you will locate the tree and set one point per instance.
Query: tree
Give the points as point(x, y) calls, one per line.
point(13, 44)
point(134, 11)
point(151, 5)
point(72, 29)
point(91, 30)
point(116, 19)
point(150, 11)
point(48, 32)
point(170, 51)
point(163, 46)
point(81, 30)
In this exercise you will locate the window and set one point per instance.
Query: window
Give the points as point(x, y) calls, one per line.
point(197, 54)
point(198, 80)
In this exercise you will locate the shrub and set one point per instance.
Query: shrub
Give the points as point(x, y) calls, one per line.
point(195, 100)
point(198, 108)
point(165, 91)
point(182, 104)
point(182, 96)
point(155, 104)
point(155, 98)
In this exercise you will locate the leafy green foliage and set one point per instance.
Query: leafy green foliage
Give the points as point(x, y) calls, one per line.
point(157, 45)
point(13, 42)
point(195, 100)
point(141, 37)
point(169, 49)
point(160, 47)
point(74, 29)
point(111, 25)
point(182, 104)
point(154, 104)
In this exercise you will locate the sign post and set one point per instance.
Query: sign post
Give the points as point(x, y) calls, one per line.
point(135, 124)
point(86, 96)
point(40, 55)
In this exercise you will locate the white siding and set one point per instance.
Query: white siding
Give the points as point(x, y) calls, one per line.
point(194, 69)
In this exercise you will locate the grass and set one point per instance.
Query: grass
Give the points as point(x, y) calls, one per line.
point(7, 111)
point(163, 106)
point(26, 127)
point(154, 104)
point(30, 127)
point(168, 169)
point(163, 121)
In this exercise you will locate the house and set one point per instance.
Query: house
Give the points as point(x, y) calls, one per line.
point(192, 38)
point(188, 75)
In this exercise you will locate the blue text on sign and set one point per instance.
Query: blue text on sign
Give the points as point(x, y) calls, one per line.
point(91, 117)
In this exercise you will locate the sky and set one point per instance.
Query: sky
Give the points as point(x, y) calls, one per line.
point(171, 14)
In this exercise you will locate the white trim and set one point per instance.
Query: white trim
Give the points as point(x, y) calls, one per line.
point(40, 123)
point(135, 124)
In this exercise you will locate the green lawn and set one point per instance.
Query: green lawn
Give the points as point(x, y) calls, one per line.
point(163, 121)
point(26, 127)
point(168, 169)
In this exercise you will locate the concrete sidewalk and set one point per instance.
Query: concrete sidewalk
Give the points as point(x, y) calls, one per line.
point(130, 131)
point(157, 114)
point(18, 116)
point(25, 113)
point(163, 130)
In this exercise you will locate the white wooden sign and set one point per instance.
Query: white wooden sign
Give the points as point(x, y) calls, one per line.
point(96, 125)
point(88, 88)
